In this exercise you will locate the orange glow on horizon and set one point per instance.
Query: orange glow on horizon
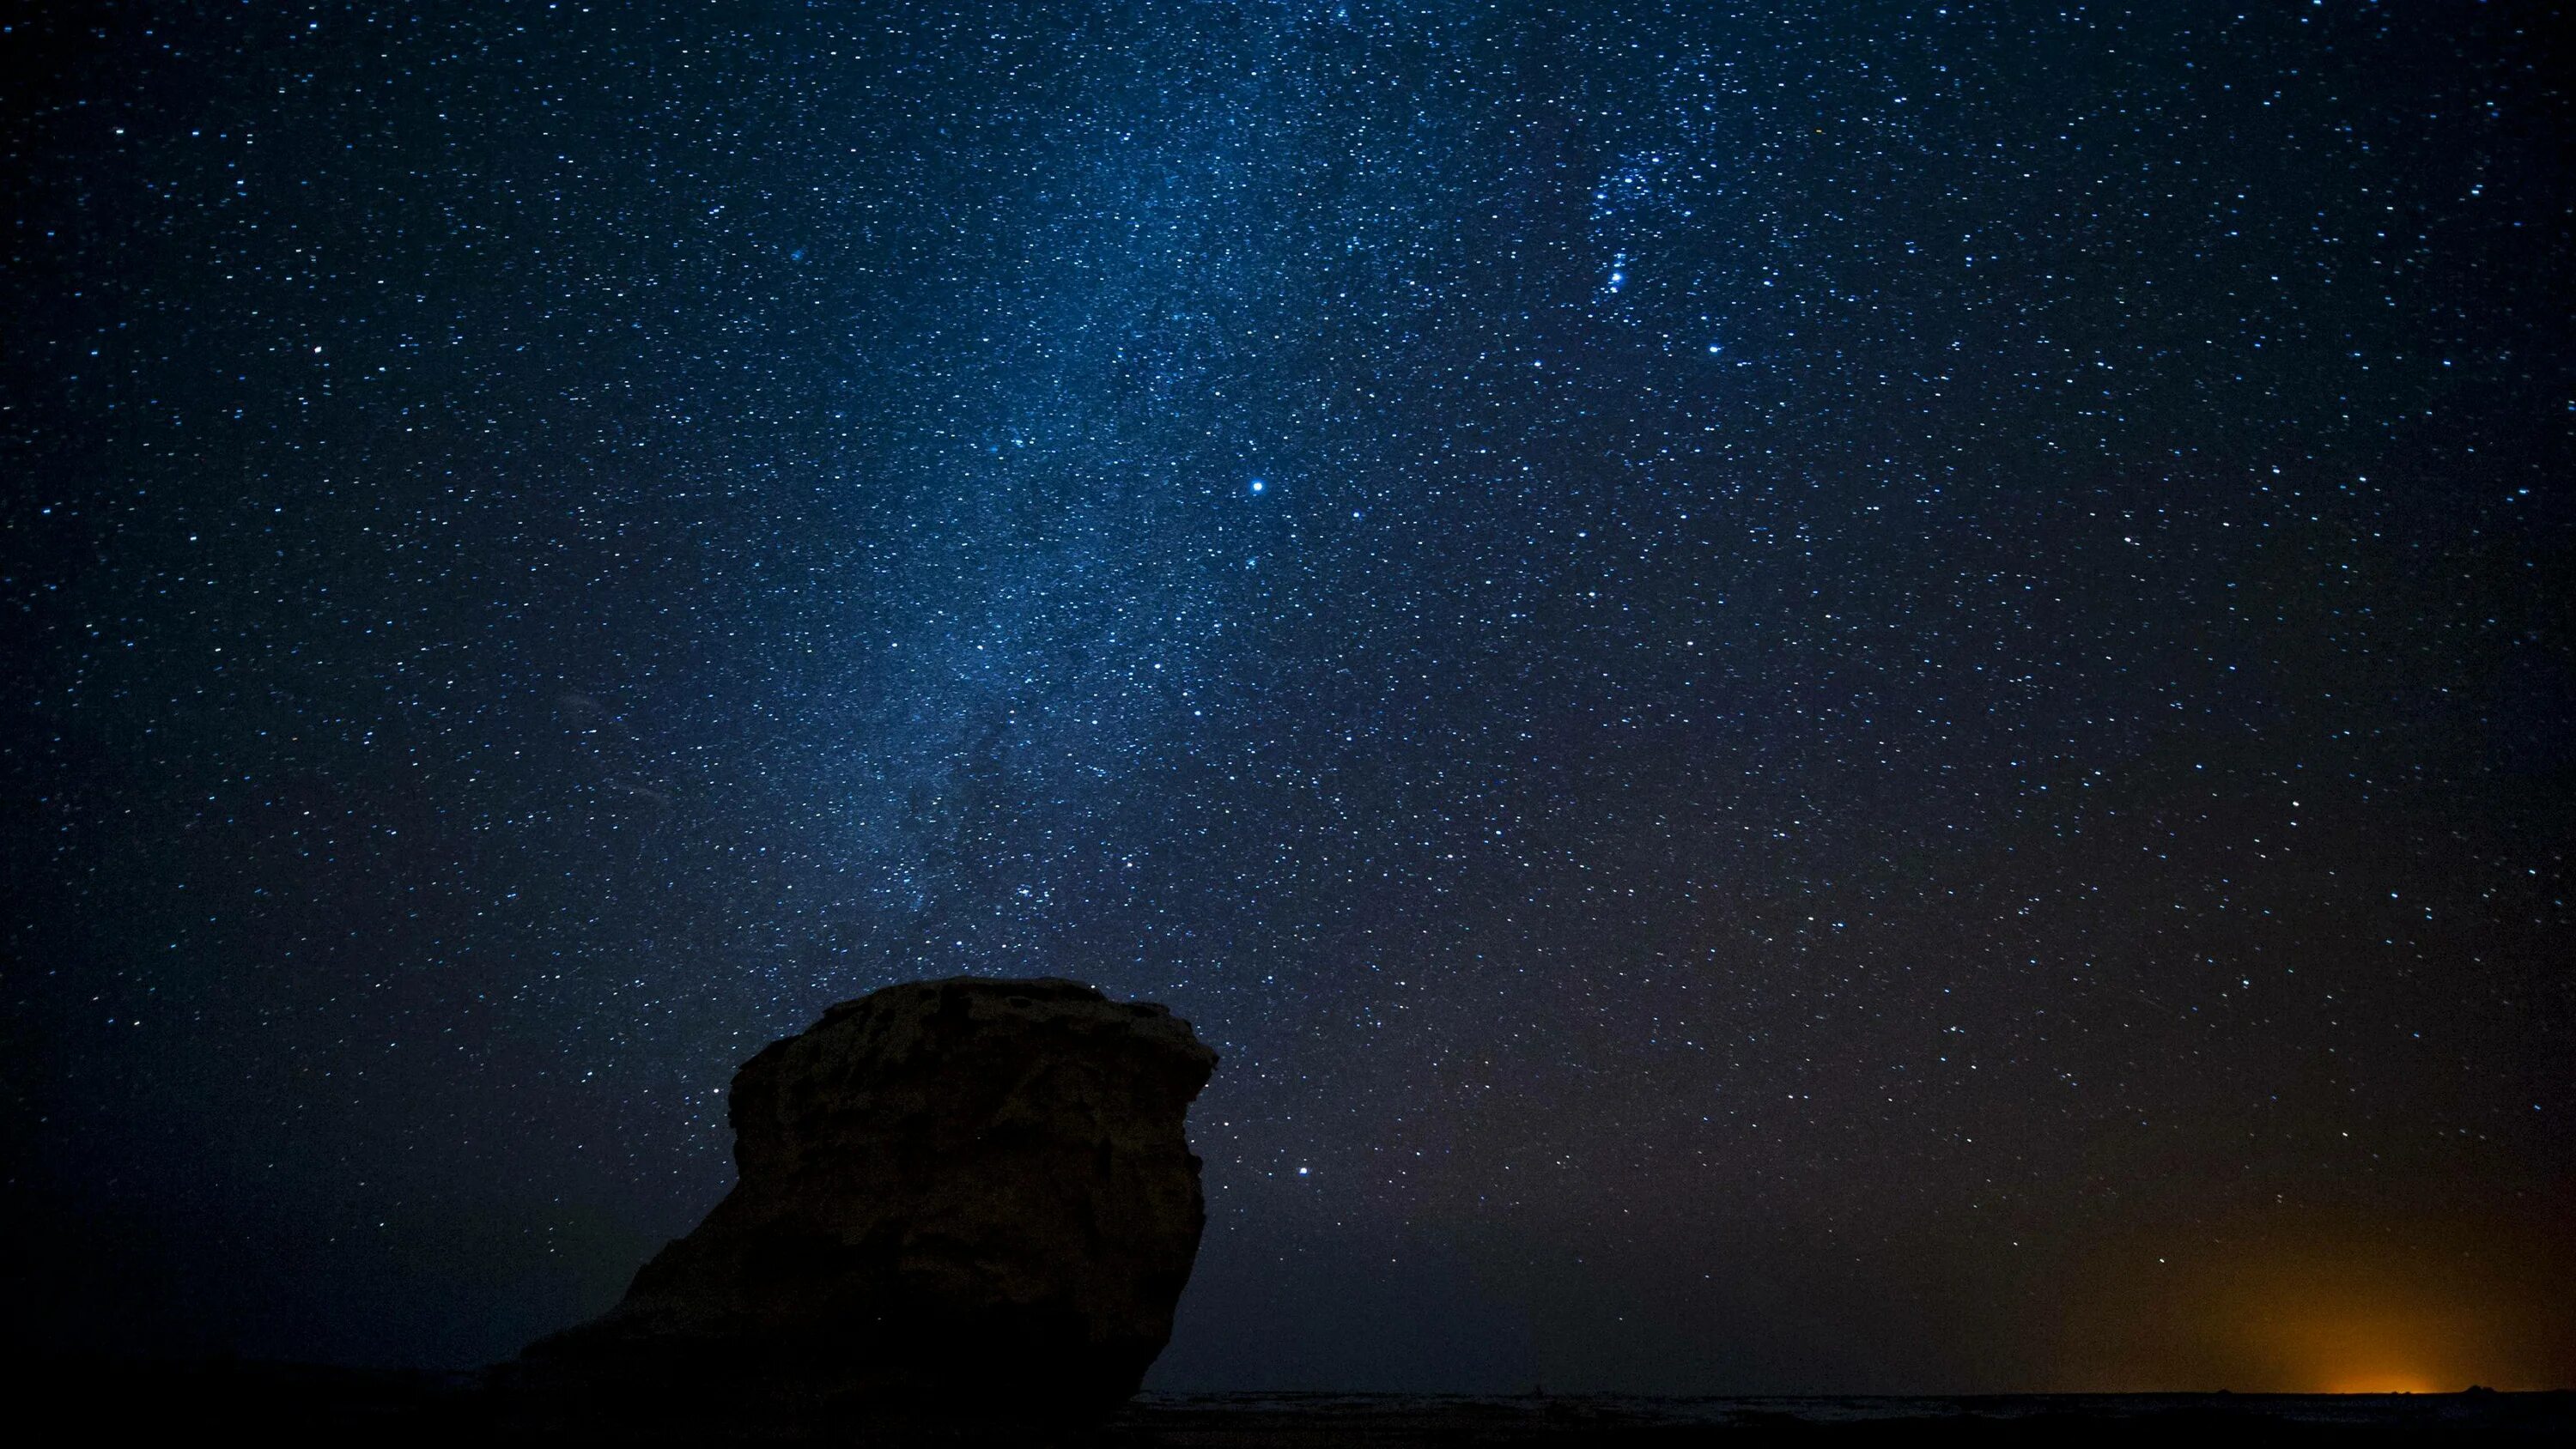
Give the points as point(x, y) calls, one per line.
point(2385, 1383)
point(2323, 1341)
point(2320, 1307)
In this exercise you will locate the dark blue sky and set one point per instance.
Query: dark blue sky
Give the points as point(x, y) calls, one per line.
point(1845, 696)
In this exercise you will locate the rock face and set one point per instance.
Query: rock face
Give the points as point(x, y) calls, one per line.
point(962, 1199)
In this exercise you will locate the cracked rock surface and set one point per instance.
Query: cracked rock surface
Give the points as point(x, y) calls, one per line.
point(967, 1199)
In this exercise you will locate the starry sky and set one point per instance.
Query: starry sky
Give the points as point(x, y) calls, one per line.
point(1818, 696)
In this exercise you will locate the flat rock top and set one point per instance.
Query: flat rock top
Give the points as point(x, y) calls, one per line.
point(905, 1011)
point(958, 1047)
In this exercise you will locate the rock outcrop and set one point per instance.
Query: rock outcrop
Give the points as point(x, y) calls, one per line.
point(959, 1200)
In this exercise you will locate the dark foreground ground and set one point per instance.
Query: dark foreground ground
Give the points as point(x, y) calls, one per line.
point(285, 1404)
point(1258, 1421)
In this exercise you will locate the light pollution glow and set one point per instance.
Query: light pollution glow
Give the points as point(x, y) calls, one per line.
point(2335, 1312)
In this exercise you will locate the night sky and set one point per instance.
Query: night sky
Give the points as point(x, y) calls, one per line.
point(1835, 696)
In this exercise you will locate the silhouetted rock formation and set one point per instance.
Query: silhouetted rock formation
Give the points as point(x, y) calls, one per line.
point(959, 1200)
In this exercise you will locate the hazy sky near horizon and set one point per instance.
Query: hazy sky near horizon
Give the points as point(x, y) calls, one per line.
point(1834, 696)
